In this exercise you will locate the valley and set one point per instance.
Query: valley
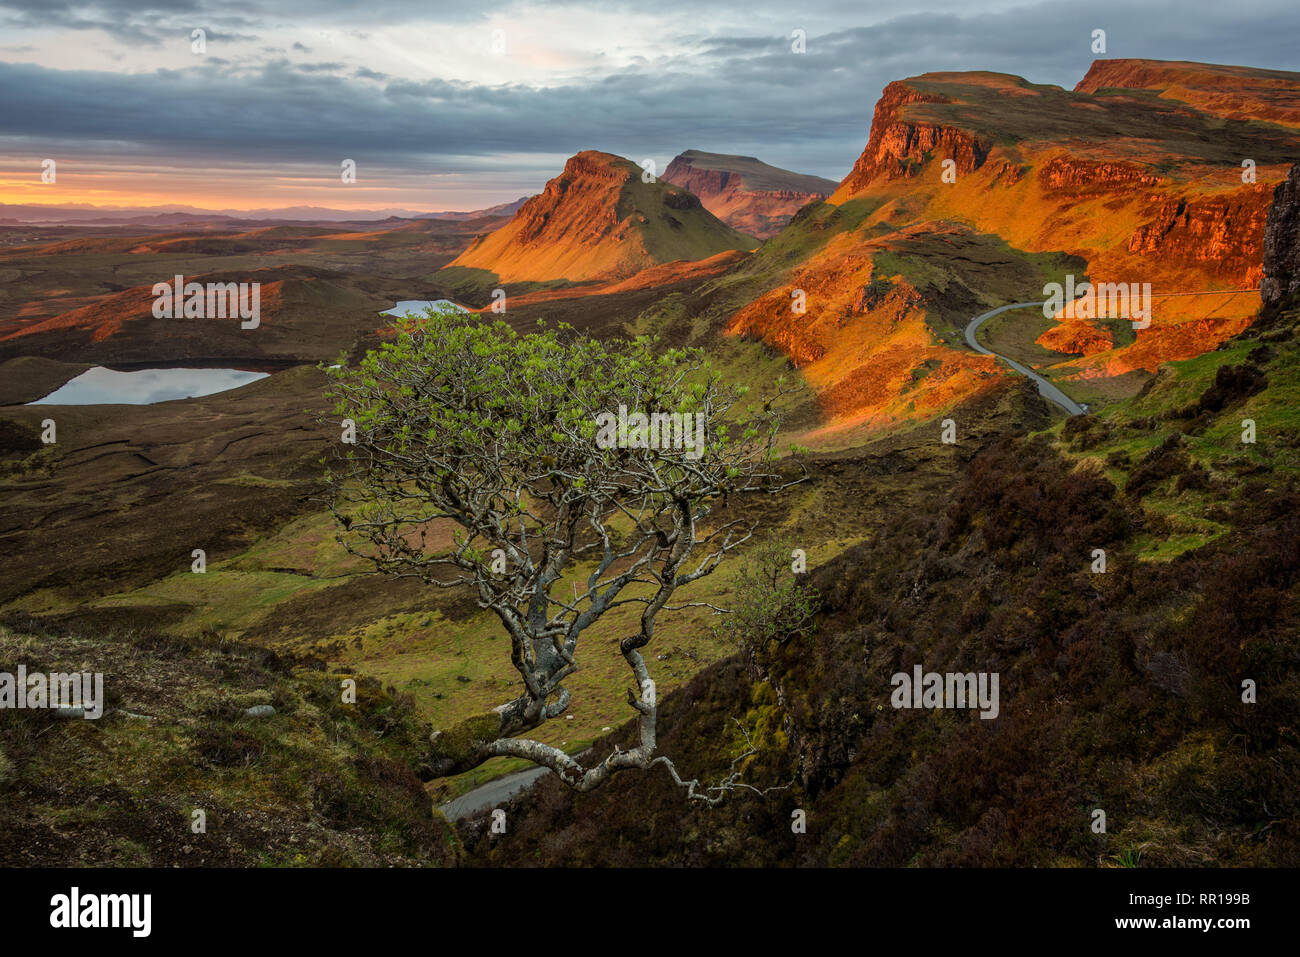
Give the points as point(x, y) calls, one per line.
point(898, 299)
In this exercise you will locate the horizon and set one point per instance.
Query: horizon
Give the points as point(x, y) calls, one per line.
point(447, 110)
point(164, 209)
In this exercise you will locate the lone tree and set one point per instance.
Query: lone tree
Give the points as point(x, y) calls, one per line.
point(550, 451)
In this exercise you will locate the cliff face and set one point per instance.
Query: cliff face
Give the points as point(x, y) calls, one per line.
point(598, 220)
point(704, 183)
point(868, 339)
point(1171, 171)
point(1134, 188)
point(744, 192)
point(1067, 172)
point(899, 146)
point(1224, 234)
point(1280, 286)
point(581, 203)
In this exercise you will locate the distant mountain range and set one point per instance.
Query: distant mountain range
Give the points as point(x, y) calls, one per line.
point(502, 209)
point(84, 214)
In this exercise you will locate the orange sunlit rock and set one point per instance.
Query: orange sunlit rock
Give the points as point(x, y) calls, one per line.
point(1142, 189)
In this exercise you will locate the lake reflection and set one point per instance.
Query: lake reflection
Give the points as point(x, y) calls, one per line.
point(100, 386)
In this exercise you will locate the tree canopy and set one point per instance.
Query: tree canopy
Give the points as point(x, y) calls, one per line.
point(550, 451)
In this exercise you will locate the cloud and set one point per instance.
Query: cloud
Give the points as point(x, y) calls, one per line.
point(717, 86)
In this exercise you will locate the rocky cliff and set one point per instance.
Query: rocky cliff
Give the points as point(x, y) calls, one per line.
point(1127, 187)
point(901, 143)
point(1223, 234)
point(1280, 286)
point(1233, 92)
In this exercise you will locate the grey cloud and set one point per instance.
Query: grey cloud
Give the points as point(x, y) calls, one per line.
point(743, 94)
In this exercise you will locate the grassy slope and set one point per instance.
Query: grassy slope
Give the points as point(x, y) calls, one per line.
point(1119, 691)
point(670, 234)
point(453, 660)
point(319, 783)
point(1212, 467)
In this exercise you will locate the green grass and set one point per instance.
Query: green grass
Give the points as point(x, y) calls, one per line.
point(318, 782)
point(802, 238)
point(1133, 427)
point(1013, 334)
point(222, 598)
point(669, 233)
point(1180, 383)
point(452, 669)
point(307, 544)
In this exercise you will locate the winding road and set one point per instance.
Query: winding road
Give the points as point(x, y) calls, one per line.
point(1048, 391)
point(497, 791)
point(494, 792)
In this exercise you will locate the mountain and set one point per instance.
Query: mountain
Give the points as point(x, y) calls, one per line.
point(1121, 690)
point(1136, 176)
point(599, 220)
point(36, 214)
point(745, 192)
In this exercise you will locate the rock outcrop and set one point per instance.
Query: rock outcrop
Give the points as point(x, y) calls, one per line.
point(1067, 172)
point(1224, 233)
point(1281, 283)
point(900, 144)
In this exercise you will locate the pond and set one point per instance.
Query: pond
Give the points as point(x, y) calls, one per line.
point(417, 307)
point(101, 386)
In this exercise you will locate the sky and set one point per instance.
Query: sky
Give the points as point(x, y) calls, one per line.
point(464, 105)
